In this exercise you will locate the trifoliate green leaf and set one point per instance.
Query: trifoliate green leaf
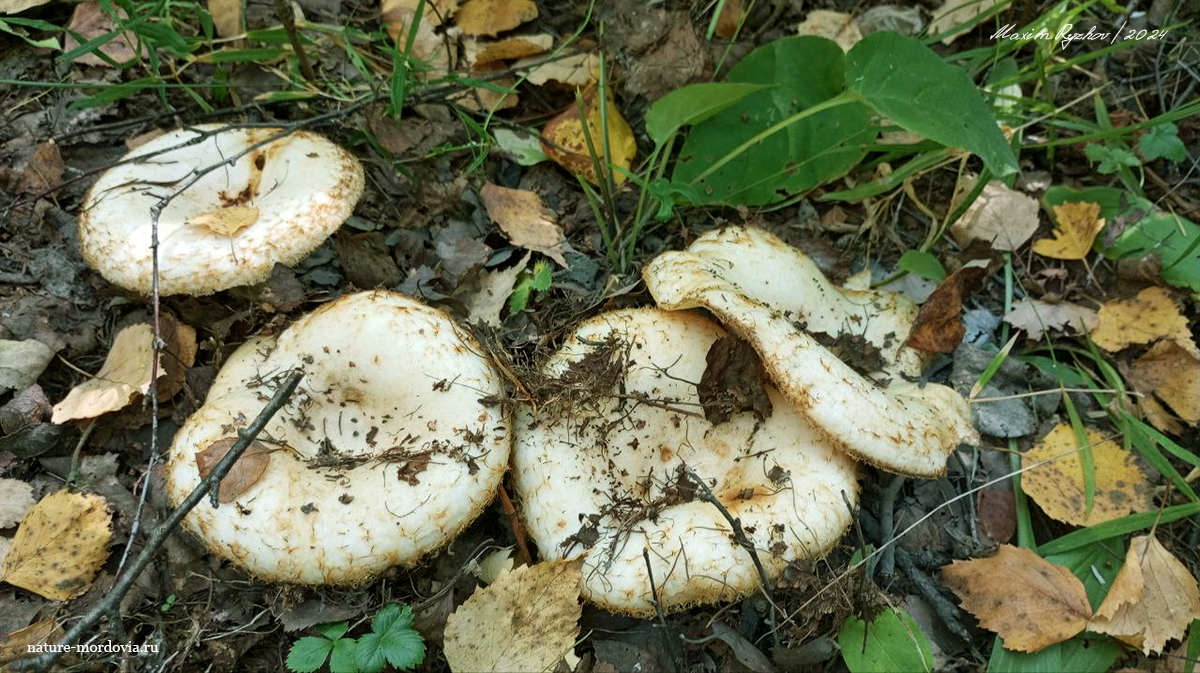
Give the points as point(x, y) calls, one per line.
point(341, 660)
point(1111, 159)
point(333, 631)
point(308, 654)
point(369, 655)
point(404, 648)
point(1162, 141)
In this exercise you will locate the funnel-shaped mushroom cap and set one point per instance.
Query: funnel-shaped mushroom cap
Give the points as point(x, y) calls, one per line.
point(276, 204)
point(604, 479)
point(774, 296)
point(383, 453)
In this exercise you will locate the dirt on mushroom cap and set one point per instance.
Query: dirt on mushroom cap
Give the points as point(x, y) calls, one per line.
point(608, 482)
point(383, 453)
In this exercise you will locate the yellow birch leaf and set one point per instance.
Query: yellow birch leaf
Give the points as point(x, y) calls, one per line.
point(563, 139)
point(489, 17)
point(521, 216)
point(124, 376)
point(16, 644)
point(60, 546)
point(1153, 315)
point(1172, 374)
point(483, 52)
point(1152, 600)
point(1057, 486)
point(1078, 226)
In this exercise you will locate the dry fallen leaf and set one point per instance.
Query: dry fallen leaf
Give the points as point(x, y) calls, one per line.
point(727, 22)
point(436, 12)
point(438, 51)
point(60, 546)
point(43, 170)
point(124, 376)
point(14, 6)
point(17, 643)
point(526, 620)
point(563, 139)
point(1172, 374)
point(1034, 317)
point(1152, 600)
point(1153, 315)
point(242, 475)
point(520, 215)
point(1001, 217)
point(836, 26)
point(1057, 486)
point(578, 70)
point(226, 221)
point(16, 497)
point(1078, 225)
point(226, 16)
point(1158, 415)
point(483, 99)
point(489, 17)
point(484, 52)
point(938, 327)
point(955, 13)
point(1031, 602)
point(90, 22)
point(486, 304)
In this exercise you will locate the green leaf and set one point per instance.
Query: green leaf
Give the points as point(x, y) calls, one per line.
point(904, 80)
point(342, 659)
point(256, 55)
point(538, 280)
point(404, 648)
point(369, 654)
point(893, 642)
point(923, 264)
point(308, 654)
point(334, 630)
point(524, 148)
point(10, 26)
point(390, 616)
point(768, 146)
point(1085, 653)
point(1162, 141)
point(1111, 159)
point(692, 104)
point(541, 283)
point(1193, 648)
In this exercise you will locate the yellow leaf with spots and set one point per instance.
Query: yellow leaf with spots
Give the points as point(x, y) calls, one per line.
point(1173, 375)
point(1152, 600)
point(1153, 315)
point(527, 620)
point(1057, 486)
point(564, 141)
point(1078, 225)
point(60, 546)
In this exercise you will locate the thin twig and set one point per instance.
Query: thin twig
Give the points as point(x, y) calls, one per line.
point(108, 606)
point(518, 529)
point(283, 11)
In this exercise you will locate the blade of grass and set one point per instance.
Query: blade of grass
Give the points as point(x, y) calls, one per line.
point(1024, 521)
point(1124, 525)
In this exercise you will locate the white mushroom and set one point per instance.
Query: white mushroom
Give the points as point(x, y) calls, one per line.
point(775, 297)
point(605, 478)
point(274, 205)
point(383, 454)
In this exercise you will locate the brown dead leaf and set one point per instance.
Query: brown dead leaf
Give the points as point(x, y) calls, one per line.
point(439, 51)
point(1057, 486)
point(178, 355)
point(245, 472)
point(1152, 600)
point(1158, 416)
point(526, 620)
point(43, 171)
point(565, 143)
point(1001, 217)
point(578, 70)
point(520, 215)
point(483, 52)
point(15, 6)
point(1173, 375)
point(489, 17)
point(226, 221)
point(16, 497)
point(226, 16)
point(1078, 225)
point(60, 546)
point(16, 644)
point(836, 26)
point(482, 99)
point(733, 381)
point(124, 376)
point(1034, 317)
point(487, 303)
point(727, 22)
point(1153, 315)
point(1031, 602)
point(436, 12)
point(996, 513)
point(938, 327)
point(954, 13)
point(90, 22)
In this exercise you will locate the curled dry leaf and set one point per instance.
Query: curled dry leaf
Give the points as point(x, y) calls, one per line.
point(1035, 317)
point(836, 26)
point(16, 644)
point(578, 70)
point(485, 304)
point(939, 328)
point(1078, 225)
point(484, 52)
point(1152, 600)
point(1057, 486)
point(564, 141)
point(1031, 602)
point(124, 376)
point(520, 215)
point(727, 22)
point(242, 475)
point(1153, 315)
point(734, 381)
point(955, 13)
point(489, 17)
point(526, 620)
point(1001, 217)
point(1173, 375)
point(227, 17)
point(16, 497)
point(60, 546)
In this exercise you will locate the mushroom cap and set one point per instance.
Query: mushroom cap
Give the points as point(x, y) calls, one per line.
point(383, 453)
point(606, 481)
point(277, 204)
point(773, 296)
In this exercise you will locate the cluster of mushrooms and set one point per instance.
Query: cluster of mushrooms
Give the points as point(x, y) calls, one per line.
point(388, 449)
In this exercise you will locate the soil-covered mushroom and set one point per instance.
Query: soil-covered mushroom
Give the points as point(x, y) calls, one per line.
point(838, 355)
point(383, 454)
point(605, 472)
point(276, 204)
